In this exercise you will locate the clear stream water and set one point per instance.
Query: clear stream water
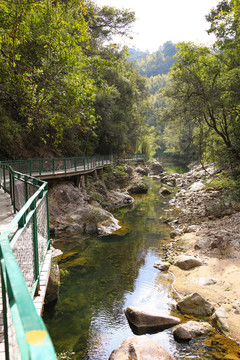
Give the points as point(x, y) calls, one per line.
point(107, 274)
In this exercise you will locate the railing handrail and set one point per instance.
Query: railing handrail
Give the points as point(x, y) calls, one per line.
point(67, 164)
point(33, 339)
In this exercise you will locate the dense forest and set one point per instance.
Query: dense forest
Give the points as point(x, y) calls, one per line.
point(67, 89)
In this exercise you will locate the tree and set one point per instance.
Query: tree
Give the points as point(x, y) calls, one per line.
point(56, 64)
point(203, 91)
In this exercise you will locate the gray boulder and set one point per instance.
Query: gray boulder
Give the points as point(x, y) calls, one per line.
point(163, 266)
point(191, 329)
point(195, 304)
point(197, 186)
point(143, 321)
point(156, 168)
point(140, 348)
point(142, 171)
point(219, 320)
point(185, 262)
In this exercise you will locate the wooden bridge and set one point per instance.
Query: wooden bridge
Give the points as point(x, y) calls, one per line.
point(25, 252)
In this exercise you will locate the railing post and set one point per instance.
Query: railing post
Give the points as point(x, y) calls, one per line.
point(84, 162)
point(64, 165)
point(48, 226)
point(75, 163)
point(53, 166)
point(39, 164)
point(4, 179)
point(35, 239)
point(26, 187)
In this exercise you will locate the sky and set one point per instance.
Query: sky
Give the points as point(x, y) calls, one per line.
point(159, 21)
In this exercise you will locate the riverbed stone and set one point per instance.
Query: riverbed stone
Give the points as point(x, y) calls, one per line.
point(156, 168)
point(219, 320)
point(191, 329)
point(160, 265)
point(186, 262)
point(195, 304)
point(149, 321)
point(203, 281)
point(140, 348)
point(197, 186)
point(164, 191)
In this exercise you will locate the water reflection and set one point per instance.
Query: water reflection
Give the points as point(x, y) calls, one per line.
point(107, 274)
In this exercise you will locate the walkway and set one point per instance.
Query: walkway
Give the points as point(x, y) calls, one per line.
point(6, 210)
point(6, 216)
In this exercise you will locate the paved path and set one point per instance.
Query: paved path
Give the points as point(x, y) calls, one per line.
point(6, 216)
point(6, 210)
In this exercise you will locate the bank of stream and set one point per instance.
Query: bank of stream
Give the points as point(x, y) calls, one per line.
point(103, 275)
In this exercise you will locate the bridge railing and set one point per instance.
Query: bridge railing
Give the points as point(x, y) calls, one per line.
point(23, 247)
point(59, 165)
point(38, 167)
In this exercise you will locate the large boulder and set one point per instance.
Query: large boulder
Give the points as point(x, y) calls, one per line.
point(139, 186)
point(191, 329)
point(118, 199)
point(140, 348)
point(156, 168)
point(185, 262)
point(143, 321)
point(142, 171)
point(219, 320)
point(195, 304)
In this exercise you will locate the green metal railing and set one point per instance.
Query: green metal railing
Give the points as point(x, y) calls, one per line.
point(23, 247)
point(54, 166)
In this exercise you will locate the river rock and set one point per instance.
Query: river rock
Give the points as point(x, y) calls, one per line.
point(163, 266)
point(219, 320)
point(164, 191)
point(149, 321)
point(156, 168)
point(191, 329)
point(197, 186)
point(195, 304)
point(140, 348)
point(52, 291)
point(118, 199)
point(140, 186)
point(203, 281)
point(142, 171)
point(185, 262)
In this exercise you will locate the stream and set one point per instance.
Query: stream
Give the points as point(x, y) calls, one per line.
point(101, 276)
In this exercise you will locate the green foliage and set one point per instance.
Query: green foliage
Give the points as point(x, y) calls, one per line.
point(95, 216)
point(61, 84)
point(225, 180)
point(115, 176)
